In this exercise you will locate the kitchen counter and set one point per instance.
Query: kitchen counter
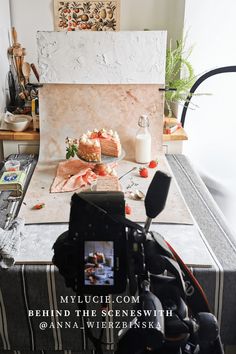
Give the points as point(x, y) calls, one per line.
point(26, 142)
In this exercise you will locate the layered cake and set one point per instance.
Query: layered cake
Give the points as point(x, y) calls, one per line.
point(108, 183)
point(97, 142)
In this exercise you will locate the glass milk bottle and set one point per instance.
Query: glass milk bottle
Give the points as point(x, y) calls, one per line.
point(143, 141)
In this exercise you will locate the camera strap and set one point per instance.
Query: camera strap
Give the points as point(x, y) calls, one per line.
point(195, 296)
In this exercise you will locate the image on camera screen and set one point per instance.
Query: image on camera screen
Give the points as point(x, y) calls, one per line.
point(99, 263)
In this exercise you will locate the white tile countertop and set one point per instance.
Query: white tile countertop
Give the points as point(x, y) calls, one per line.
point(185, 239)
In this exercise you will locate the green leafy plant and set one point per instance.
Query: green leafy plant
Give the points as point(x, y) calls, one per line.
point(179, 75)
point(72, 147)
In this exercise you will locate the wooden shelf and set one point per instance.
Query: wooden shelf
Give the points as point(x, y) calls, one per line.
point(28, 134)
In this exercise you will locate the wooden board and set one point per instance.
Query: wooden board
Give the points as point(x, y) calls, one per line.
point(178, 135)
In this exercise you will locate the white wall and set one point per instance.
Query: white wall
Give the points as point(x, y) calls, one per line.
point(211, 128)
point(4, 45)
point(30, 16)
point(4, 64)
point(154, 15)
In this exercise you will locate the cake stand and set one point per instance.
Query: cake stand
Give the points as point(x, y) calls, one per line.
point(106, 160)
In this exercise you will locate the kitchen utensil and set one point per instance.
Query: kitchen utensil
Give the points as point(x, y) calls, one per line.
point(35, 71)
point(14, 37)
point(23, 81)
point(11, 78)
point(12, 88)
point(26, 71)
point(125, 174)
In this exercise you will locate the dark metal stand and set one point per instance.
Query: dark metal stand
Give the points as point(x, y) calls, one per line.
point(222, 70)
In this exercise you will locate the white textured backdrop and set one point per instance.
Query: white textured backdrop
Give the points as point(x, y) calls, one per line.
point(126, 57)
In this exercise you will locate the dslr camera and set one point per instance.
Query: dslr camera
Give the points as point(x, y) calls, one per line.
point(92, 255)
point(103, 253)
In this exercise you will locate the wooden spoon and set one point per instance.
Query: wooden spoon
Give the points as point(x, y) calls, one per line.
point(14, 38)
point(26, 71)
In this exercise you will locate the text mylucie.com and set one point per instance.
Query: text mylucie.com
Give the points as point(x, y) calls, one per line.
point(95, 299)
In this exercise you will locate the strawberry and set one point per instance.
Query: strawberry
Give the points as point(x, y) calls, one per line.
point(153, 164)
point(39, 206)
point(94, 135)
point(102, 173)
point(143, 172)
point(127, 209)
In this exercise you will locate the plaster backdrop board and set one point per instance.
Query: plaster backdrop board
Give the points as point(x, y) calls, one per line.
point(88, 57)
point(90, 15)
point(57, 205)
point(71, 110)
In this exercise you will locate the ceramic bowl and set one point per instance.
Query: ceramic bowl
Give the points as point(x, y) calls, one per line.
point(18, 122)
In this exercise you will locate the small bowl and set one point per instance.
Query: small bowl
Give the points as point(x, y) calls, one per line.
point(12, 165)
point(18, 122)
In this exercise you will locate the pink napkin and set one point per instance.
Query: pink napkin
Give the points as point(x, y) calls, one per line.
point(72, 175)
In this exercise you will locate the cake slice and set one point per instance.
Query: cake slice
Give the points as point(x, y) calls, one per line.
point(110, 143)
point(108, 183)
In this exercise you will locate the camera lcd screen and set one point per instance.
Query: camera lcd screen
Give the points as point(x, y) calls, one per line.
point(99, 263)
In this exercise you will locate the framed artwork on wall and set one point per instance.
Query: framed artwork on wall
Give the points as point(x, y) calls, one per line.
point(90, 15)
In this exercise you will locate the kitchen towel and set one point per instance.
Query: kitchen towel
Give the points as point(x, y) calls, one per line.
point(72, 175)
point(10, 240)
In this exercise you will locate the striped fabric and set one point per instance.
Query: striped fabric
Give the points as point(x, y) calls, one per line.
point(220, 242)
point(33, 287)
point(25, 288)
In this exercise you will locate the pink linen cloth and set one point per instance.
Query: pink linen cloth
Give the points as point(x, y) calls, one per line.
point(72, 175)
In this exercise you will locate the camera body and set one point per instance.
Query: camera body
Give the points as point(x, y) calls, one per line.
point(94, 255)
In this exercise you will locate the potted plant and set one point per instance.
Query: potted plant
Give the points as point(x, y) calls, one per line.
point(179, 76)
